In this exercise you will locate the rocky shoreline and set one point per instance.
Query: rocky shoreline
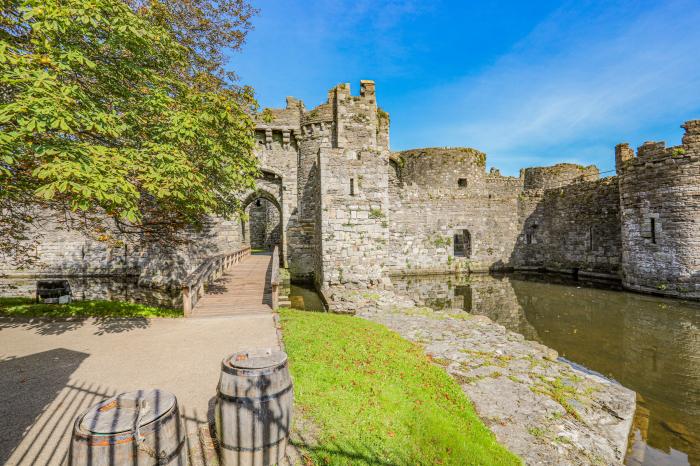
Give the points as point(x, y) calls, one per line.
point(538, 405)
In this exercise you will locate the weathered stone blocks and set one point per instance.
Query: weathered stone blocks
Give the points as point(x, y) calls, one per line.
point(351, 212)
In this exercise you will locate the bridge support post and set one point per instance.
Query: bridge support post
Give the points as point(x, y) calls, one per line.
point(186, 301)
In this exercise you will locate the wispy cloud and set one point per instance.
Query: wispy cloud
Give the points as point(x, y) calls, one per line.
point(579, 78)
point(529, 83)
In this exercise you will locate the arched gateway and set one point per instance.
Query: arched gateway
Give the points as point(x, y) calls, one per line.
point(264, 227)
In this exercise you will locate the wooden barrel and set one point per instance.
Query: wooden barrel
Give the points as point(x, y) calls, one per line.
point(253, 408)
point(141, 427)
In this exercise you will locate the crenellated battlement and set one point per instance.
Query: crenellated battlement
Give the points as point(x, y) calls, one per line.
point(691, 138)
point(660, 213)
point(346, 120)
point(653, 153)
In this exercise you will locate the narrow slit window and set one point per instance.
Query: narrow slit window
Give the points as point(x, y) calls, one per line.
point(590, 238)
point(530, 234)
point(653, 230)
point(352, 186)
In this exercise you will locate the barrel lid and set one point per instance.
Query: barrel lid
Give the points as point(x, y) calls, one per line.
point(257, 359)
point(120, 413)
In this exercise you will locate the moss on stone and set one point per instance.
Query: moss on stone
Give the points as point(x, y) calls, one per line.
point(678, 151)
point(383, 116)
point(376, 213)
point(268, 116)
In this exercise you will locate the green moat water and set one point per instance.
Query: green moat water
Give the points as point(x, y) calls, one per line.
point(650, 345)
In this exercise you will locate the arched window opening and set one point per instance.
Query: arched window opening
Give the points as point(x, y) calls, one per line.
point(463, 244)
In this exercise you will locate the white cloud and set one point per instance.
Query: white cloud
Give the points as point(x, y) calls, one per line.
point(576, 75)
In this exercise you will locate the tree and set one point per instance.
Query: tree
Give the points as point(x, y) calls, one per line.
point(206, 28)
point(110, 120)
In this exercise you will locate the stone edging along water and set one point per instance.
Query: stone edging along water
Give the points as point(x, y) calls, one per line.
point(537, 405)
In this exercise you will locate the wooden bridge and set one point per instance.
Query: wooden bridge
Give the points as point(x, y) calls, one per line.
point(239, 283)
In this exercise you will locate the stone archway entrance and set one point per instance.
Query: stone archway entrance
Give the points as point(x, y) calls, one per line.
point(264, 223)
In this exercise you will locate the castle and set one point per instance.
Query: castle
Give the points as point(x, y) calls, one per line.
point(348, 211)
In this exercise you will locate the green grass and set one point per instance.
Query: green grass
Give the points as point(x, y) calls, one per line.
point(26, 307)
point(377, 399)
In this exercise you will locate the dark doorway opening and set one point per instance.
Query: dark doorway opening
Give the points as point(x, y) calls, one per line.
point(264, 224)
point(463, 244)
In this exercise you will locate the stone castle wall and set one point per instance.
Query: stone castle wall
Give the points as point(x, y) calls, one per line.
point(548, 218)
point(573, 228)
point(352, 213)
point(660, 210)
point(279, 136)
point(436, 194)
point(353, 193)
point(62, 251)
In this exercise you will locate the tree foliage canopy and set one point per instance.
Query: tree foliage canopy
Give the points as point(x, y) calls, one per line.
point(110, 110)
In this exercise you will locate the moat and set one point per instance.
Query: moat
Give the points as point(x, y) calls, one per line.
point(648, 344)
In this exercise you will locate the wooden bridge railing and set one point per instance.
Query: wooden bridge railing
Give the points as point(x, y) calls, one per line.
point(210, 270)
point(275, 278)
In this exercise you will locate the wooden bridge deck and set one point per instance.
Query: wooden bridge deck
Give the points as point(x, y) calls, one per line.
point(244, 289)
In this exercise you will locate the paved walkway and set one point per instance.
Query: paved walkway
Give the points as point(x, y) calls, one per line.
point(52, 370)
point(243, 290)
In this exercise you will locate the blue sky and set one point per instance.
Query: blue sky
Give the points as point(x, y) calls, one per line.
point(529, 83)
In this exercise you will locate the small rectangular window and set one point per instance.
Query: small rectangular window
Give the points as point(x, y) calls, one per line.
point(653, 229)
point(352, 186)
point(462, 244)
point(458, 246)
point(530, 234)
point(462, 182)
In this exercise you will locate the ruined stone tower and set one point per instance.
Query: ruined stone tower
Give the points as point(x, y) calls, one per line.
point(660, 215)
point(352, 228)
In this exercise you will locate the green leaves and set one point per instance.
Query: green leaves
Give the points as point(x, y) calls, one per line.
point(101, 112)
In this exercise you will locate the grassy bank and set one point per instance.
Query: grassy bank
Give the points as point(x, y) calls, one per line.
point(377, 399)
point(27, 307)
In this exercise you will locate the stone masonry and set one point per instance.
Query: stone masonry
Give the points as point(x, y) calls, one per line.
point(660, 215)
point(351, 213)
